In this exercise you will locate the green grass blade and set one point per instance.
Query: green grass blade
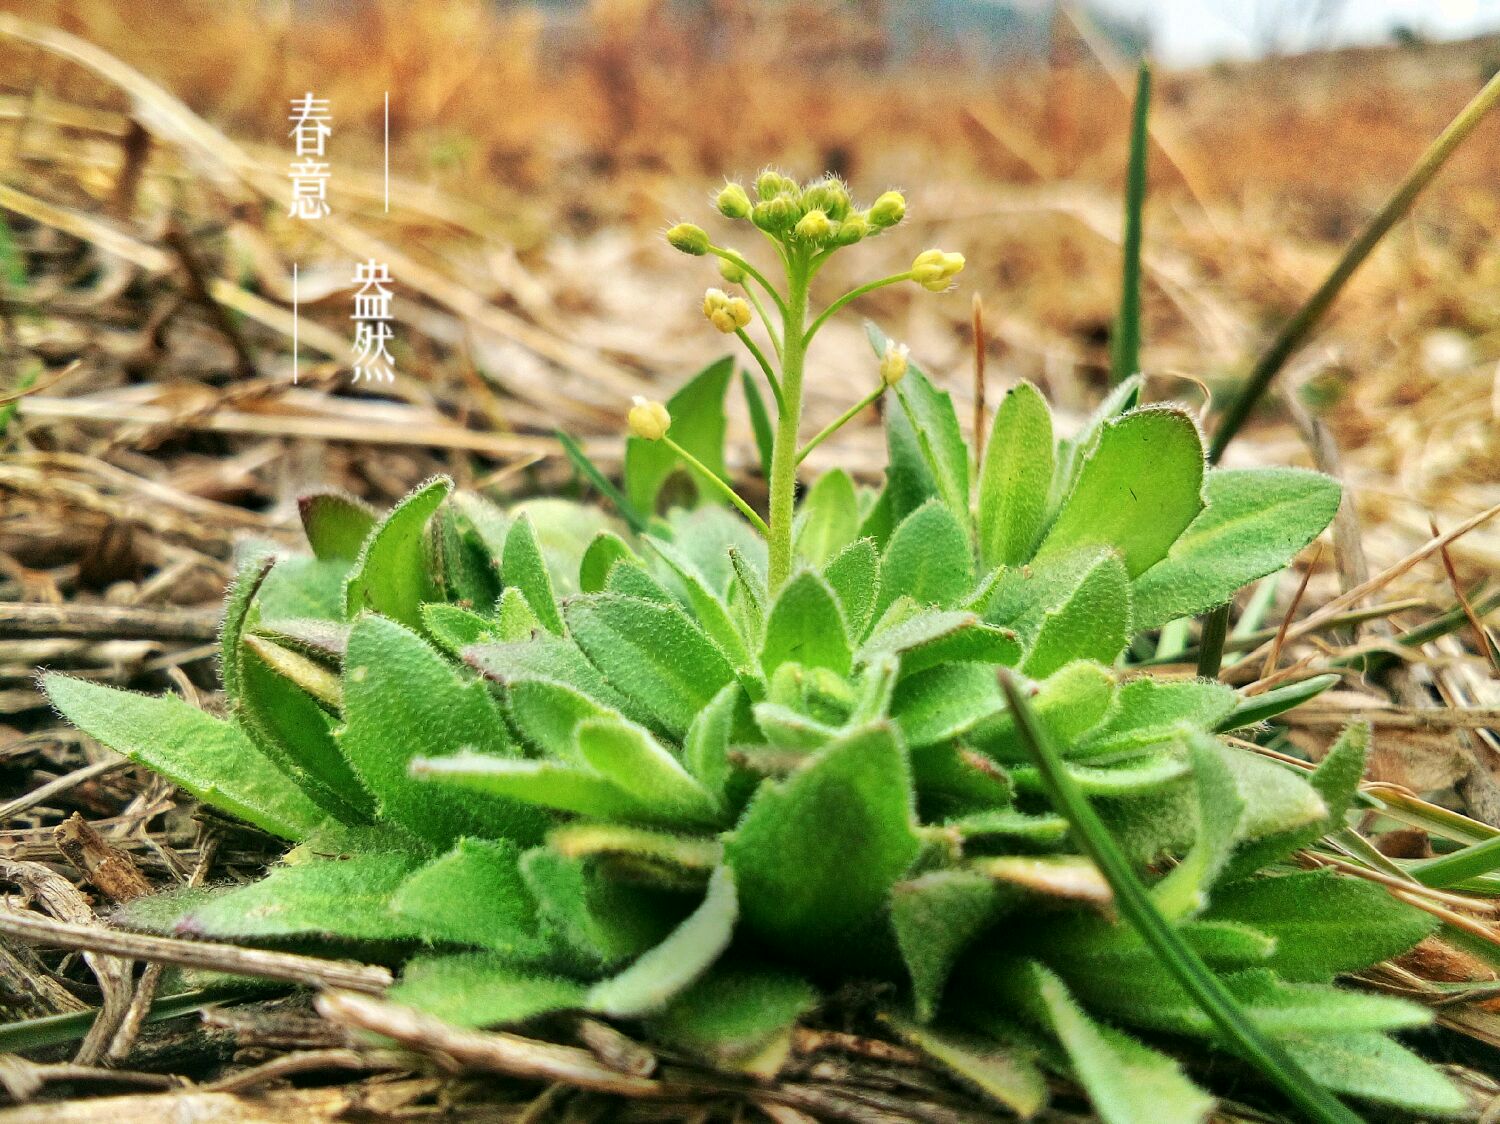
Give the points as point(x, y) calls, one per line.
point(1125, 351)
point(51, 1030)
point(1135, 905)
point(760, 422)
point(603, 483)
point(1300, 326)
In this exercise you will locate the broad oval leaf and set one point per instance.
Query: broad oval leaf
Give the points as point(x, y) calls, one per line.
point(815, 856)
point(1138, 489)
point(928, 559)
point(806, 627)
point(1015, 477)
point(698, 425)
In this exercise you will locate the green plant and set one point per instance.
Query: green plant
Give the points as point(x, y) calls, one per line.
point(704, 771)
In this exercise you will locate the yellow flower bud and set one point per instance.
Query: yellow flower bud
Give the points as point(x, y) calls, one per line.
point(731, 272)
point(934, 269)
point(648, 420)
point(813, 226)
point(733, 202)
point(724, 312)
point(888, 210)
point(689, 239)
point(894, 362)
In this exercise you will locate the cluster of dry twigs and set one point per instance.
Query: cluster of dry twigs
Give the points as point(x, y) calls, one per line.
point(146, 345)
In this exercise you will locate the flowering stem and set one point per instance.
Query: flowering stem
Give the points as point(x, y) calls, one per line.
point(765, 365)
point(764, 319)
point(735, 259)
point(789, 418)
point(717, 482)
point(838, 423)
point(852, 294)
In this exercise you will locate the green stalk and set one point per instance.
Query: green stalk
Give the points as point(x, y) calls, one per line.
point(717, 483)
point(1449, 870)
point(51, 1030)
point(1135, 905)
point(839, 422)
point(851, 295)
point(1300, 326)
point(1125, 354)
point(788, 421)
point(765, 364)
point(735, 259)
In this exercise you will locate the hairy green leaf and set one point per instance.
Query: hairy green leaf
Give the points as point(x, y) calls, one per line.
point(474, 895)
point(854, 575)
point(206, 756)
point(1065, 608)
point(739, 1015)
point(815, 855)
point(935, 916)
point(392, 574)
point(1255, 523)
point(635, 762)
point(336, 524)
point(1139, 487)
point(652, 652)
point(806, 627)
point(828, 518)
point(1015, 477)
point(928, 559)
point(483, 989)
point(402, 700)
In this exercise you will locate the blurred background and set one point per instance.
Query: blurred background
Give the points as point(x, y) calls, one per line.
point(537, 152)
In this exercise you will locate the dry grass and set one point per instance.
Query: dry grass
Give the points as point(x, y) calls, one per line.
point(534, 165)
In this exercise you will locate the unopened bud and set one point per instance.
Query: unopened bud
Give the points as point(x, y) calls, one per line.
point(689, 239)
point(934, 269)
point(829, 196)
point(731, 271)
point(724, 312)
point(893, 363)
point(648, 420)
point(733, 202)
point(771, 183)
point(774, 216)
point(888, 210)
point(814, 226)
point(853, 229)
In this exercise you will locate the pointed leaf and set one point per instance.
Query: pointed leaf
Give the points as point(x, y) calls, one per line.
point(712, 614)
point(635, 762)
point(482, 989)
point(1374, 1068)
point(854, 575)
point(336, 524)
point(1127, 1082)
point(935, 917)
point(929, 412)
point(1014, 479)
point(1151, 711)
point(927, 559)
point(393, 574)
point(522, 567)
point(474, 895)
point(453, 629)
point(203, 755)
point(1323, 924)
point(705, 751)
point(1065, 608)
point(605, 922)
point(652, 652)
point(828, 517)
point(806, 627)
point(347, 898)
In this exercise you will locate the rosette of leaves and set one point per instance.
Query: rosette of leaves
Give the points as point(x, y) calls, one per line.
point(558, 765)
